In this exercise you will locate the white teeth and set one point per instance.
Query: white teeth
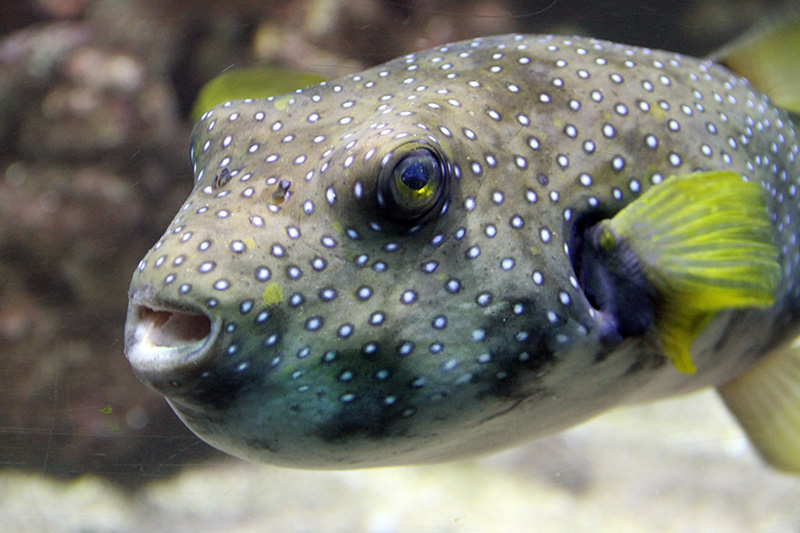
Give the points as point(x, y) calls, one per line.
point(160, 343)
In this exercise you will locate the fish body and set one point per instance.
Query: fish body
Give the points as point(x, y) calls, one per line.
point(387, 268)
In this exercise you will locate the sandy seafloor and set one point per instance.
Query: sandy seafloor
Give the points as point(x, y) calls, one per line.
point(677, 465)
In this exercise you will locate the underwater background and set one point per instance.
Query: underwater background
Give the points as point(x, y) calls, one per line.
point(95, 102)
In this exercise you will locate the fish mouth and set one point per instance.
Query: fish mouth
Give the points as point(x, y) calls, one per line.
point(168, 345)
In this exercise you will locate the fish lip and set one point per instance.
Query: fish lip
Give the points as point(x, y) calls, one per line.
point(168, 345)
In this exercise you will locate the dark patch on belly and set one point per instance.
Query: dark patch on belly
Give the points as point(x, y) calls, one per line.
point(223, 389)
point(512, 377)
point(645, 360)
point(602, 354)
point(258, 444)
point(365, 417)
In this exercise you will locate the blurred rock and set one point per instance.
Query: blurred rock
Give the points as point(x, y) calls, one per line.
point(103, 102)
point(29, 61)
point(61, 9)
point(93, 161)
point(69, 237)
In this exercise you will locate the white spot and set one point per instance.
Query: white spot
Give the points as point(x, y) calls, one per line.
point(408, 297)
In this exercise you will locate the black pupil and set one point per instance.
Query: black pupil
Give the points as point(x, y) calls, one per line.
point(415, 174)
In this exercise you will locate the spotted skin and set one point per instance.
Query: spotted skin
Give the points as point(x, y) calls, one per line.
point(338, 337)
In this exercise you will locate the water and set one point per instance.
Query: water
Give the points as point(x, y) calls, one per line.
point(92, 172)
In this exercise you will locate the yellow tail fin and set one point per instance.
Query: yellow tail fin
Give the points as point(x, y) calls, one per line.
point(766, 402)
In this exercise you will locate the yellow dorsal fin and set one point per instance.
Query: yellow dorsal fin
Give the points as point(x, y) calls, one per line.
point(704, 242)
point(766, 402)
point(253, 82)
point(769, 56)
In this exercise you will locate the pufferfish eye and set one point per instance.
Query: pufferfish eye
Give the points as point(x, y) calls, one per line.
point(413, 185)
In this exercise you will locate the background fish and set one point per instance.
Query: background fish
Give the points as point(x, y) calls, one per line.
point(391, 268)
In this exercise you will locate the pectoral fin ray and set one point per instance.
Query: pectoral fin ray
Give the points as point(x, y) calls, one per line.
point(704, 243)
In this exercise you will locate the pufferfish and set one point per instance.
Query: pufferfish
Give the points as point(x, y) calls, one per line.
point(473, 246)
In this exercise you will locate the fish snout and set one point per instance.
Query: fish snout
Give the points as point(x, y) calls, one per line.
point(169, 347)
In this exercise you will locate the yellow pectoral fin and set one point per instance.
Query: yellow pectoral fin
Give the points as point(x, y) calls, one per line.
point(705, 243)
point(766, 402)
point(679, 327)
